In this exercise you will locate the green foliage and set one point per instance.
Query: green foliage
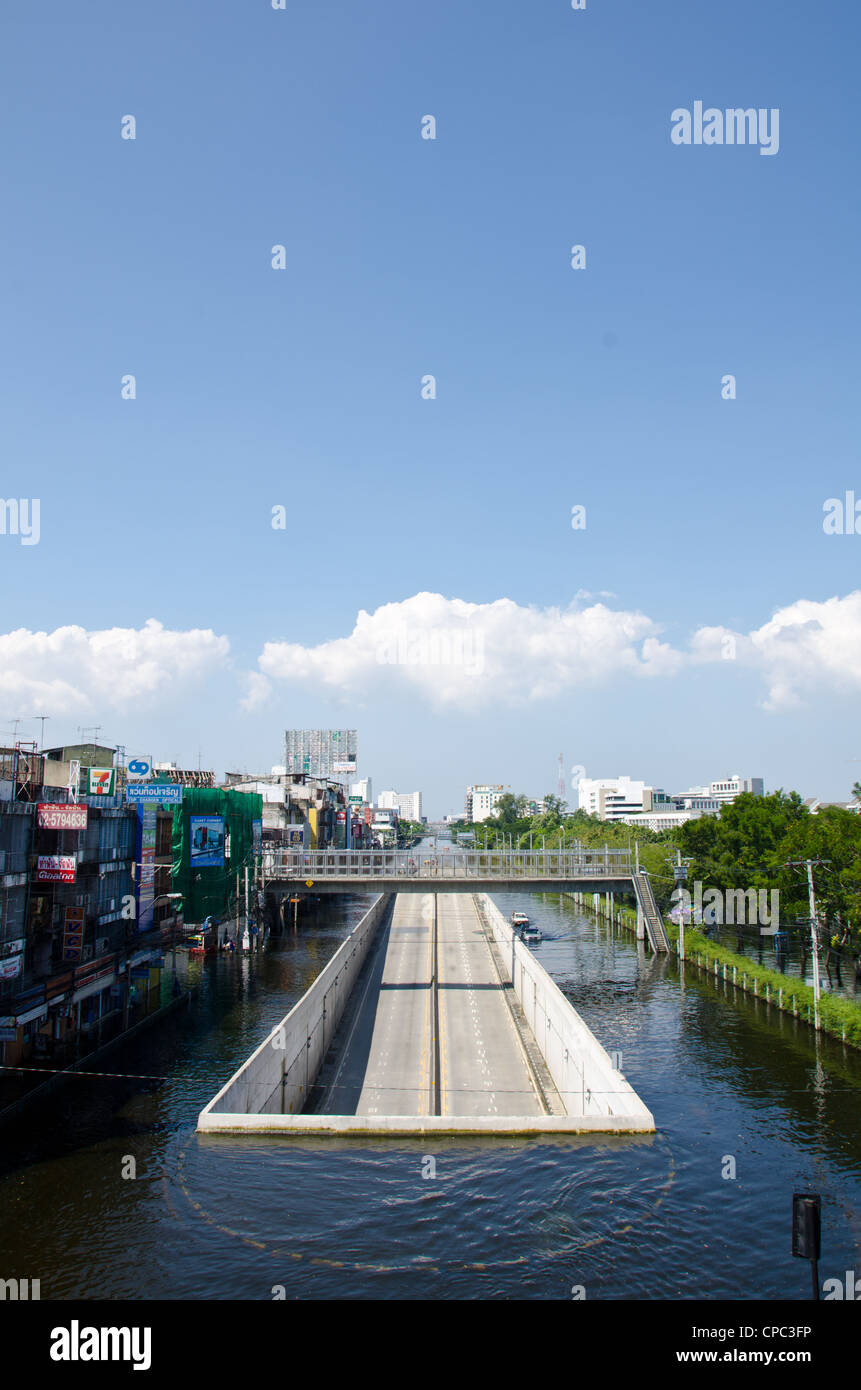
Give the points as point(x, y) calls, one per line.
point(411, 831)
point(751, 842)
point(557, 826)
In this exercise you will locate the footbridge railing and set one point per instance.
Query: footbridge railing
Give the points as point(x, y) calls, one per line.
point(465, 865)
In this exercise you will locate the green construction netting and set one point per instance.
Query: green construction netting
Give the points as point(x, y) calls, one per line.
point(211, 889)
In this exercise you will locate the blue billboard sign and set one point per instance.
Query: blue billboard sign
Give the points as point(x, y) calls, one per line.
point(206, 842)
point(161, 793)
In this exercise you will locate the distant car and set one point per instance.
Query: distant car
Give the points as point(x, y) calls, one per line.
point(519, 919)
point(530, 934)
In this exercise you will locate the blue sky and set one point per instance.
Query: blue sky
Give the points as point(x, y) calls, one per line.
point(555, 387)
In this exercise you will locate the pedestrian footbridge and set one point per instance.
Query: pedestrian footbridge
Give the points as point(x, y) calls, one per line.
point(449, 871)
point(576, 870)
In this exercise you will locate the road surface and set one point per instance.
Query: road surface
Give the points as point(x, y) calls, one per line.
point(428, 1029)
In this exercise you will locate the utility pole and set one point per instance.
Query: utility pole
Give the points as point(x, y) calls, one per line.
point(814, 933)
point(680, 874)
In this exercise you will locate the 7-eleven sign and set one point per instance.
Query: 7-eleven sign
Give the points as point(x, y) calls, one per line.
point(101, 781)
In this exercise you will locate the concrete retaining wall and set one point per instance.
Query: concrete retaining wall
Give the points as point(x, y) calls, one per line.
point(427, 1126)
point(276, 1078)
point(582, 1071)
point(266, 1095)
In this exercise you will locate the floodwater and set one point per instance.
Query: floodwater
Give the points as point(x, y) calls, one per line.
point(749, 1107)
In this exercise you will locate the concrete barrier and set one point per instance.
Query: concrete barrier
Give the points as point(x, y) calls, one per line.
point(276, 1078)
point(588, 1083)
point(266, 1095)
point(427, 1126)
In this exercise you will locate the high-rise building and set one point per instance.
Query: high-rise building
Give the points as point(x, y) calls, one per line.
point(320, 752)
point(407, 804)
point(481, 801)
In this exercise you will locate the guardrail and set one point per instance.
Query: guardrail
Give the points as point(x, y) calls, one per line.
point(457, 864)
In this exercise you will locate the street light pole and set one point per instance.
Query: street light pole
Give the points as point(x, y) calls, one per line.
point(168, 897)
point(814, 934)
point(811, 895)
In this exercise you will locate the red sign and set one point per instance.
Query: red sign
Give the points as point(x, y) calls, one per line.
point(56, 868)
point(61, 816)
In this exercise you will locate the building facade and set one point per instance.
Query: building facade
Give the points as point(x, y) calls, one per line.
point(79, 961)
point(623, 799)
point(407, 804)
point(481, 801)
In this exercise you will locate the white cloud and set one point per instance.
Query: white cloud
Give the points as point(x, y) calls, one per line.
point(444, 651)
point(258, 689)
point(805, 647)
point(450, 651)
point(72, 671)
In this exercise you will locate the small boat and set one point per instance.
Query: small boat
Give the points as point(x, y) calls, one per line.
point(519, 919)
point(196, 945)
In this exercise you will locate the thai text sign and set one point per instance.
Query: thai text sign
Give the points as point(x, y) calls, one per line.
point(56, 868)
point(61, 816)
point(158, 792)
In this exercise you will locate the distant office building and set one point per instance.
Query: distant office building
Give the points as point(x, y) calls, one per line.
point(410, 806)
point(407, 804)
point(661, 820)
point(364, 789)
point(731, 787)
point(698, 800)
point(623, 799)
point(615, 798)
point(481, 801)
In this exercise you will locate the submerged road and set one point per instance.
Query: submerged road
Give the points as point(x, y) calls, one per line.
point(429, 1029)
point(484, 1070)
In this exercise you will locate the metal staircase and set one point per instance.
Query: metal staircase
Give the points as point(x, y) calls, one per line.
point(651, 916)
